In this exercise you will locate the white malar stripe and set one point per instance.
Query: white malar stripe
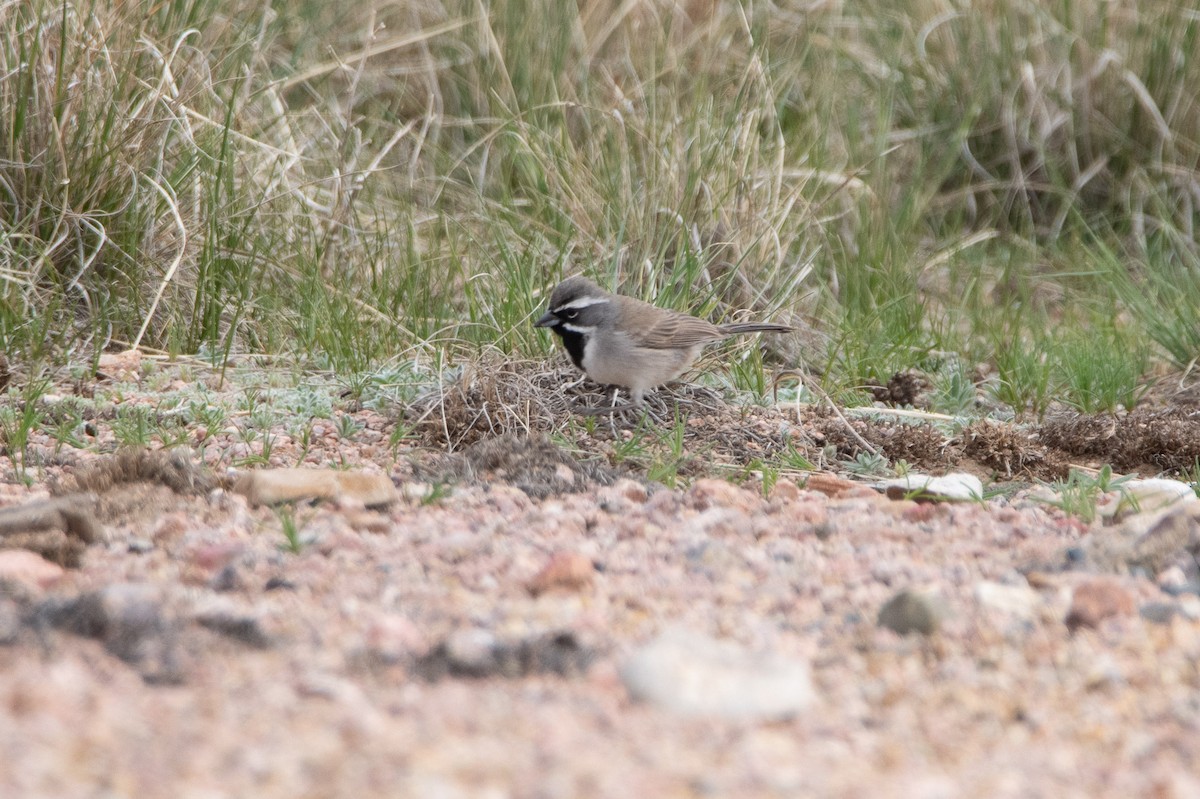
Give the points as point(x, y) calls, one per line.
point(582, 302)
point(582, 330)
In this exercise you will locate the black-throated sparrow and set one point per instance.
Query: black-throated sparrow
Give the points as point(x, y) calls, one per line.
point(625, 342)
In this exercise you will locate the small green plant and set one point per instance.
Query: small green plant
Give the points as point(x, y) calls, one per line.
point(134, 425)
point(348, 427)
point(438, 491)
point(16, 424)
point(867, 464)
point(954, 393)
point(290, 528)
point(202, 412)
point(1078, 494)
point(67, 427)
point(1101, 369)
point(1024, 378)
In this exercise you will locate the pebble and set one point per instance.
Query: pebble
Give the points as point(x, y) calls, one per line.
point(692, 675)
point(1015, 601)
point(709, 493)
point(1159, 612)
point(911, 612)
point(566, 571)
point(1097, 599)
point(393, 638)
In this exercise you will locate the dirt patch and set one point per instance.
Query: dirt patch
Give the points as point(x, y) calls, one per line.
point(532, 463)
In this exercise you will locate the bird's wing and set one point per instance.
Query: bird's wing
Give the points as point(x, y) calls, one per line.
point(674, 330)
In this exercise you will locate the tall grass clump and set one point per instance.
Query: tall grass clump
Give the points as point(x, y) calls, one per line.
point(398, 181)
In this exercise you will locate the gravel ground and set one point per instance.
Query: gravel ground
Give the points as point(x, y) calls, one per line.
point(620, 641)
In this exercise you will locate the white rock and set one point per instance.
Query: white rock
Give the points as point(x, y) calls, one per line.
point(1016, 601)
point(1144, 496)
point(693, 675)
point(956, 486)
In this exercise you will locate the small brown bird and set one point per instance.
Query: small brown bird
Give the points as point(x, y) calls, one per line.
point(625, 342)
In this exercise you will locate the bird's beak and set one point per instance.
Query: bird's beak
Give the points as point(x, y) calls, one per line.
point(548, 319)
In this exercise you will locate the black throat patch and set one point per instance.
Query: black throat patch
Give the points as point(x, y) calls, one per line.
point(574, 342)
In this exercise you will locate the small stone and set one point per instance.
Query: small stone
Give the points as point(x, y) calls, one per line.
point(1016, 601)
point(1097, 599)
point(416, 492)
point(910, 612)
point(711, 493)
point(470, 651)
point(274, 486)
point(279, 584)
point(1159, 612)
point(213, 557)
point(140, 546)
point(693, 675)
point(630, 490)
point(29, 569)
point(953, 487)
point(567, 571)
point(227, 579)
point(829, 484)
point(393, 638)
point(1171, 578)
point(240, 625)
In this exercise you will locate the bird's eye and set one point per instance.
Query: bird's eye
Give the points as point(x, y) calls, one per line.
point(570, 313)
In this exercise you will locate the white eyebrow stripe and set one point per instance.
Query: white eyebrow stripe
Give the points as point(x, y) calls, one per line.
point(582, 302)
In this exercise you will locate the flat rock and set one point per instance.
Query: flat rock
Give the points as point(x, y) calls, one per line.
point(953, 487)
point(1150, 495)
point(693, 675)
point(274, 486)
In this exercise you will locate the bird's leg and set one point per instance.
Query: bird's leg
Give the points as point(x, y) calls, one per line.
point(610, 409)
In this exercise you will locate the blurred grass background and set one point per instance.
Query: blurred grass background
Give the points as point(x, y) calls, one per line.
point(932, 185)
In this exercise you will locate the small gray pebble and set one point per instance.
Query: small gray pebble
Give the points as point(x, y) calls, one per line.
point(1159, 612)
point(910, 612)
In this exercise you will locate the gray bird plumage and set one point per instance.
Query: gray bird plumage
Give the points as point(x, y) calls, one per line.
point(629, 343)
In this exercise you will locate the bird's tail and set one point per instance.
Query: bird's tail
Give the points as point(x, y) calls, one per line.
point(754, 327)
